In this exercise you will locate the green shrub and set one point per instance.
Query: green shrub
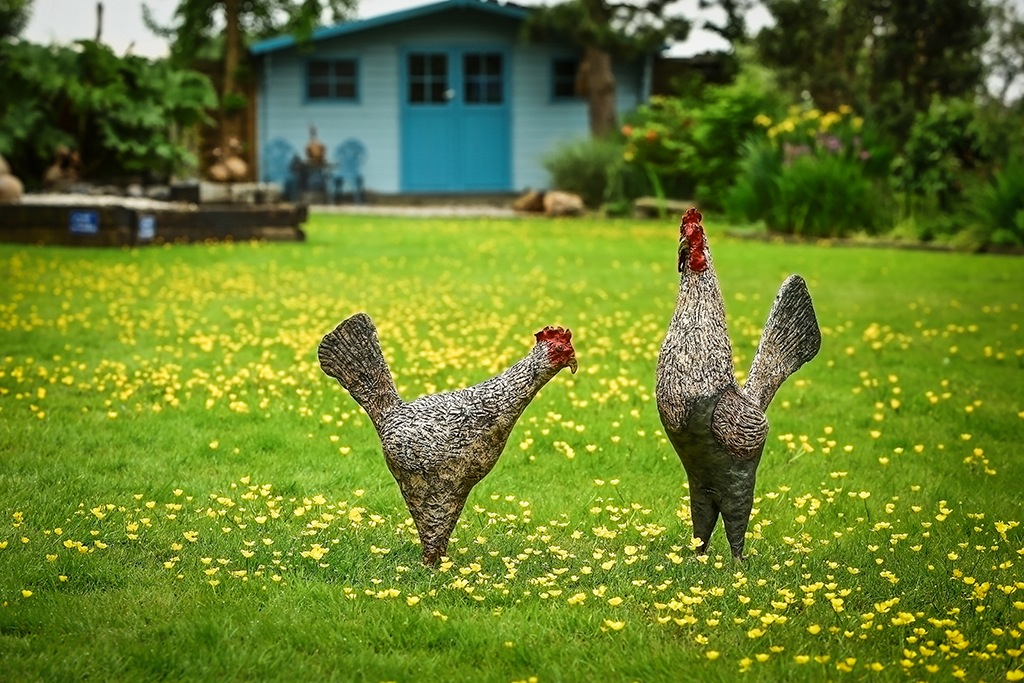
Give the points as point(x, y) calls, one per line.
point(814, 196)
point(998, 206)
point(756, 195)
point(825, 196)
point(594, 169)
point(810, 174)
point(693, 145)
point(120, 113)
point(945, 146)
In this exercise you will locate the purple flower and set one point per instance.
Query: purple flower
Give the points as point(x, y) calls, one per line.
point(790, 152)
point(830, 142)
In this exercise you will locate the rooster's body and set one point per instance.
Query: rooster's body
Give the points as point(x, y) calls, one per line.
point(439, 446)
point(717, 427)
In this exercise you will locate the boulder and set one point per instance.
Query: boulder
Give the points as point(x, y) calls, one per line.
point(531, 201)
point(218, 173)
point(557, 203)
point(238, 170)
point(11, 188)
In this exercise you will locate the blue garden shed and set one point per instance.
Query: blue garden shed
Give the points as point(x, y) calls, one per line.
point(440, 98)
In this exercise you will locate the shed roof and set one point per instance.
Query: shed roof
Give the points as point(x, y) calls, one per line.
point(505, 9)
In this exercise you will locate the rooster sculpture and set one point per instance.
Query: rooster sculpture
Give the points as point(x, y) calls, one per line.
point(718, 428)
point(439, 446)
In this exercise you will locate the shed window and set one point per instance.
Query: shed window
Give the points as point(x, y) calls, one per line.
point(563, 78)
point(482, 75)
point(332, 79)
point(428, 78)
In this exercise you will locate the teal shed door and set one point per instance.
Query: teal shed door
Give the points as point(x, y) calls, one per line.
point(455, 121)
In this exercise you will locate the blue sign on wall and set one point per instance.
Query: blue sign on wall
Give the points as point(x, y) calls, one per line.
point(84, 222)
point(147, 227)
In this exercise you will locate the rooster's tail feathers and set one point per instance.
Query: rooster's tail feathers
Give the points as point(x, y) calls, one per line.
point(352, 355)
point(791, 337)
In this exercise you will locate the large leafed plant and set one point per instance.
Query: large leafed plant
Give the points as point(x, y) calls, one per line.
point(125, 115)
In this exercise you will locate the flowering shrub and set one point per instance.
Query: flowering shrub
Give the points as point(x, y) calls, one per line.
point(808, 131)
point(809, 174)
point(690, 148)
point(659, 141)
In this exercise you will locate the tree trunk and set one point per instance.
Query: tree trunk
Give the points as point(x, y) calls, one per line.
point(596, 82)
point(231, 125)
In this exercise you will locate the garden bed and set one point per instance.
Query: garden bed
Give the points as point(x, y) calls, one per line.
point(879, 242)
point(84, 220)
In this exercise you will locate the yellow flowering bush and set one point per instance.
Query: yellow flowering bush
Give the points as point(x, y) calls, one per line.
point(811, 173)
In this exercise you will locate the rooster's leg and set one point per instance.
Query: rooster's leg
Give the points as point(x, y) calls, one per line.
point(435, 519)
point(736, 517)
point(704, 513)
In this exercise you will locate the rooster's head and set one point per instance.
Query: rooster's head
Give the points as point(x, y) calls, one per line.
point(691, 242)
point(558, 343)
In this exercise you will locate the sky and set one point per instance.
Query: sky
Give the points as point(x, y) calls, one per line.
point(63, 21)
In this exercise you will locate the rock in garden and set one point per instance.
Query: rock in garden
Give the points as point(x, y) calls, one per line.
point(557, 203)
point(11, 188)
point(531, 201)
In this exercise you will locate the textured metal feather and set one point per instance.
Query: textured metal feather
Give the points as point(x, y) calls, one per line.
point(352, 355)
point(791, 337)
point(718, 429)
point(439, 447)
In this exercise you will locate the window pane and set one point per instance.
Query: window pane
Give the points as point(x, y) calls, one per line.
point(318, 69)
point(345, 91)
point(345, 68)
point(565, 68)
point(471, 64)
point(437, 92)
point(417, 65)
point(439, 65)
point(336, 79)
point(563, 78)
point(493, 65)
point(416, 92)
point(318, 90)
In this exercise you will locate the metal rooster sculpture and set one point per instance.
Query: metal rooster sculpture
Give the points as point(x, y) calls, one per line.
point(439, 446)
point(717, 427)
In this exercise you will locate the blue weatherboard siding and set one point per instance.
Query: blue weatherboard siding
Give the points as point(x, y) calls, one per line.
point(490, 148)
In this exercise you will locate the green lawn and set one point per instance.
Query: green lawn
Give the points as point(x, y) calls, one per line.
point(184, 496)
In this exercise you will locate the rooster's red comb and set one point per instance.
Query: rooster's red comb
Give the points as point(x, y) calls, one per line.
point(692, 241)
point(691, 217)
point(554, 333)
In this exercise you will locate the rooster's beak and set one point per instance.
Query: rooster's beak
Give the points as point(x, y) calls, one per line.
point(573, 365)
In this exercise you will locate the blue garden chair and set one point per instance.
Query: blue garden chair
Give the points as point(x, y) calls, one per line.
point(349, 157)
